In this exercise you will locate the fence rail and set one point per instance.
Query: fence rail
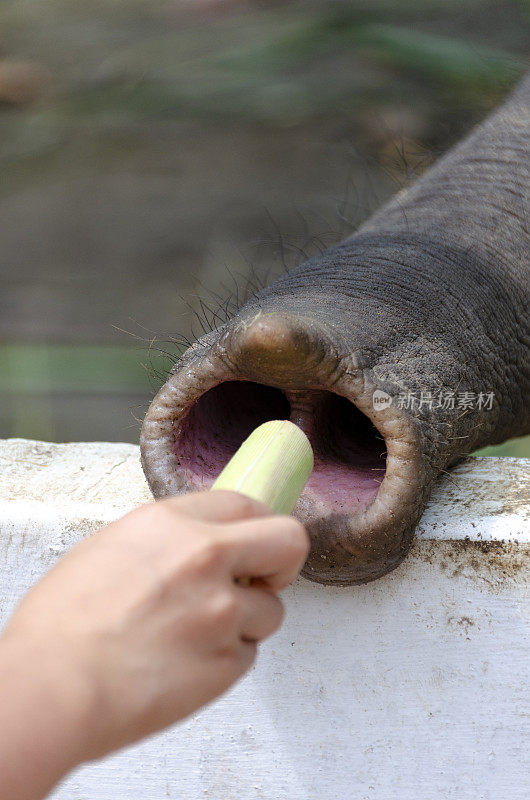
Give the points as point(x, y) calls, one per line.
point(415, 685)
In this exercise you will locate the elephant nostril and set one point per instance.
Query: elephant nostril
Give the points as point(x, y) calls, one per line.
point(350, 454)
point(220, 420)
point(365, 486)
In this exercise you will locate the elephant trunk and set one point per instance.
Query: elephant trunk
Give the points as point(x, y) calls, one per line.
point(398, 352)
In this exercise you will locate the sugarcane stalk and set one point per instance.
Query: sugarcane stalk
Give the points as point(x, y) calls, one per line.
point(272, 465)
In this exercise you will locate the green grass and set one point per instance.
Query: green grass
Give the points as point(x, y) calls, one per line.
point(42, 368)
point(518, 448)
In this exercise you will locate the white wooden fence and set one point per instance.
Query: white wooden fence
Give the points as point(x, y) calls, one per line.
point(414, 687)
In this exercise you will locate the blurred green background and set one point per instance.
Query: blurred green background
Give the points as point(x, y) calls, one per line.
point(159, 160)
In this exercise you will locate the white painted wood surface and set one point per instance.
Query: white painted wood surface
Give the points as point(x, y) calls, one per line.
point(412, 687)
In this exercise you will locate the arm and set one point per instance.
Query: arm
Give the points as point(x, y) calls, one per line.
point(44, 714)
point(137, 627)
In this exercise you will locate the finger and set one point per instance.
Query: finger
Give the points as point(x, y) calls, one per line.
point(246, 655)
point(261, 613)
point(271, 548)
point(219, 505)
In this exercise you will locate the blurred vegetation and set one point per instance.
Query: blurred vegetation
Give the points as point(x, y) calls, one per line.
point(151, 149)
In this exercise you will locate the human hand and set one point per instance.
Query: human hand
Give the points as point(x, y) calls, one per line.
point(147, 615)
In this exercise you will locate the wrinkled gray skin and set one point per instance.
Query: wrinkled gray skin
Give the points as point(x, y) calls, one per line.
point(431, 294)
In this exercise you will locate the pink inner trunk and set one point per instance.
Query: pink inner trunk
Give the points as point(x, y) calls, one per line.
point(350, 453)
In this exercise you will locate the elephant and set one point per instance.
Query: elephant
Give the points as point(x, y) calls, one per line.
point(398, 352)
